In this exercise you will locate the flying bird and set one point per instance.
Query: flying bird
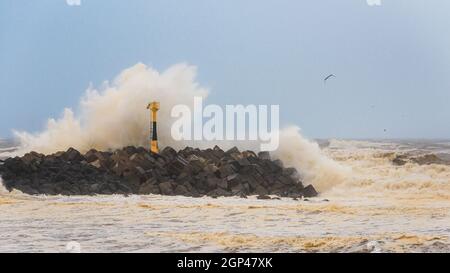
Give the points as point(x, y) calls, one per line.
point(328, 77)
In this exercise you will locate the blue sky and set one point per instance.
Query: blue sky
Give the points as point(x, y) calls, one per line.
point(392, 61)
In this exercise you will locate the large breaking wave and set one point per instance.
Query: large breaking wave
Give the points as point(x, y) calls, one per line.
point(114, 116)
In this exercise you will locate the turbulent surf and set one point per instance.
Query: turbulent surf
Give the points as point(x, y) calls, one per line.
point(381, 207)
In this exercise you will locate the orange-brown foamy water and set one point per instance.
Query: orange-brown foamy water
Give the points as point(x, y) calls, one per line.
point(378, 208)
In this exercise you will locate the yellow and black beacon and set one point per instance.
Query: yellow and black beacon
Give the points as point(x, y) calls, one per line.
point(154, 107)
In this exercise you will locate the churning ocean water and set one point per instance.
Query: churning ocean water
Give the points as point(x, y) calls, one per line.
point(379, 207)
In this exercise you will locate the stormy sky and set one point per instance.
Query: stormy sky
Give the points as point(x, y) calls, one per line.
point(391, 61)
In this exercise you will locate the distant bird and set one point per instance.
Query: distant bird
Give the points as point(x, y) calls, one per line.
point(328, 77)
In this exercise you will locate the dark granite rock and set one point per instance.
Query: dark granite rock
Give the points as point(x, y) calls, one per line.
point(309, 191)
point(264, 155)
point(263, 197)
point(166, 188)
point(134, 170)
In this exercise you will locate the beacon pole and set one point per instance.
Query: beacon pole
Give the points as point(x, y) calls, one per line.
point(154, 107)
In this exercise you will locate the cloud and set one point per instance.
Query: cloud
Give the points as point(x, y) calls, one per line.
point(374, 2)
point(73, 2)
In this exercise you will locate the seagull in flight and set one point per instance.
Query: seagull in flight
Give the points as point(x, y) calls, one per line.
point(328, 77)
